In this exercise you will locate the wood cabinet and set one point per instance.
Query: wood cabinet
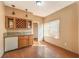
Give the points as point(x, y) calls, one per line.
point(30, 40)
point(29, 24)
point(22, 41)
point(9, 22)
point(17, 23)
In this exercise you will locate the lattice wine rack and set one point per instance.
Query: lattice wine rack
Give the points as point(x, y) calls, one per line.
point(20, 23)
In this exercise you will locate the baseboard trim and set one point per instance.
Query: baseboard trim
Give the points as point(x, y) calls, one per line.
point(61, 47)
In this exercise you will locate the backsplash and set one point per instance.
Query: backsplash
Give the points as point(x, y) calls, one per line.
point(11, 33)
point(20, 30)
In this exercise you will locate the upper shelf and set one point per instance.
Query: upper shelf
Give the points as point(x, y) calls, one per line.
point(17, 23)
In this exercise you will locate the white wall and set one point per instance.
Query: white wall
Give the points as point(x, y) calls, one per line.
point(40, 32)
point(68, 28)
point(78, 27)
point(2, 27)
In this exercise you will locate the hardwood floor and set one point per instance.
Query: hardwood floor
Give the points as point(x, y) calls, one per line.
point(40, 50)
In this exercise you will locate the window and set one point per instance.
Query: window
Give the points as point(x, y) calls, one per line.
point(52, 29)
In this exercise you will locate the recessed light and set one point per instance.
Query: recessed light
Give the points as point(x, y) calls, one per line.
point(39, 3)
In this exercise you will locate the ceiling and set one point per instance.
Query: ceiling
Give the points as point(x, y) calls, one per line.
point(45, 9)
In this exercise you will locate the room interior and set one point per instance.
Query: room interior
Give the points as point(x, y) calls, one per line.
point(48, 28)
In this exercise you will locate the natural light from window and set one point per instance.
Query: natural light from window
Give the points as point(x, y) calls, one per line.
point(51, 29)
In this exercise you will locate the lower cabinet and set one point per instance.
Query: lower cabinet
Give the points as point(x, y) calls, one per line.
point(30, 40)
point(22, 41)
point(11, 43)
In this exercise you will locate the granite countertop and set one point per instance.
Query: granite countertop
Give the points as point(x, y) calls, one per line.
point(14, 34)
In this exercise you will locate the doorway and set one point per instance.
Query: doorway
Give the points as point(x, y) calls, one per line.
point(35, 31)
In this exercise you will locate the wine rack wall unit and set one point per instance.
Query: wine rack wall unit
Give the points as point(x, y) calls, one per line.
point(20, 23)
point(17, 23)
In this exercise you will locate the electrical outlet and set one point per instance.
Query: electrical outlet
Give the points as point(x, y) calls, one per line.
point(65, 44)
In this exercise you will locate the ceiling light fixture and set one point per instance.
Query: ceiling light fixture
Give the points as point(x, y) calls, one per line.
point(38, 3)
point(13, 13)
point(26, 13)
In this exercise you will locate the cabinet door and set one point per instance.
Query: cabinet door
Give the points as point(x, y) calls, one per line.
point(29, 24)
point(9, 22)
point(23, 41)
point(30, 40)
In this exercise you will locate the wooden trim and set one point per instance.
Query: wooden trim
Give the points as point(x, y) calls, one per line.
point(6, 22)
point(14, 23)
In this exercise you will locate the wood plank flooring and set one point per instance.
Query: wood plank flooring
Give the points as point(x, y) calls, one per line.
point(40, 50)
